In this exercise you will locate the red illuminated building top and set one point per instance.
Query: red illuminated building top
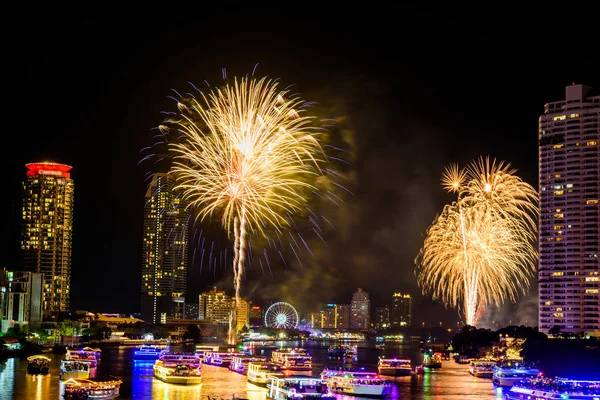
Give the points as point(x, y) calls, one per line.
point(48, 168)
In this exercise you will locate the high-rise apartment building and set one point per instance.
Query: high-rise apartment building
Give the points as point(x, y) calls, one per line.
point(360, 310)
point(569, 225)
point(400, 314)
point(165, 250)
point(47, 228)
point(256, 315)
point(216, 306)
point(382, 317)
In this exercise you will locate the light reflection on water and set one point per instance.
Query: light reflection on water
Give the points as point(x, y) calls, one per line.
point(451, 382)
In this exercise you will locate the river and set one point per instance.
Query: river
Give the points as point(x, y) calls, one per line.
point(452, 381)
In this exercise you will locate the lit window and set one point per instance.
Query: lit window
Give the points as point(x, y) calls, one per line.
point(548, 303)
point(573, 115)
point(594, 201)
point(560, 118)
point(592, 279)
point(558, 273)
point(570, 185)
point(557, 175)
point(559, 192)
point(559, 315)
point(559, 215)
point(592, 143)
point(558, 146)
point(591, 291)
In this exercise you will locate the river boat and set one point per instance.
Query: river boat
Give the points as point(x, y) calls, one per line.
point(394, 366)
point(259, 373)
point(96, 350)
point(178, 368)
point(482, 368)
point(298, 388)
point(38, 365)
point(74, 369)
point(82, 355)
point(201, 350)
point(293, 361)
point(92, 388)
point(220, 359)
point(506, 373)
point(356, 383)
point(240, 363)
point(149, 351)
point(432, 360)
point(554, 389)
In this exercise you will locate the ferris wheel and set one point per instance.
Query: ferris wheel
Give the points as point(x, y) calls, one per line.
point(281, 315)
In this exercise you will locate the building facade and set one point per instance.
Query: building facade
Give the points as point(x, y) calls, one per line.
point(256, 316)
point(360, 309)
point(243, 314)
point(400, 314)
point(569, 227)
point(165, 251)
point(382, 317)
point(46, 232)
point(192, 311)
point(216, 306)
point(21, 300)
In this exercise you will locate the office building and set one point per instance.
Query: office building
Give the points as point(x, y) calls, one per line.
point(165, 250)
point(242, 314)
point(192, 311)
point(569, 225)
point(21, 300)
point(360, 310)
point(46, 232)
point(382, 317)
point(216, 306)
point(400, 314)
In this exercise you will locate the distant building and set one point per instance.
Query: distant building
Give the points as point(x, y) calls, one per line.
point(21, 300)
point(400, 314)
point(243, 314)
point(47, 229)
point(192, 311)
point(343, 316)
point(360, 309)
point(165, 248)
point(216, 306)
point(569, 231)
point(256, 316)
point(382, 317)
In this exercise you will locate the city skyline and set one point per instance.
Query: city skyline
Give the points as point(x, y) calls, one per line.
point(410, 117)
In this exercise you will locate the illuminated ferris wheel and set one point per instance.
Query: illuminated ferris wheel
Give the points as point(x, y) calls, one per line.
point(281, 315)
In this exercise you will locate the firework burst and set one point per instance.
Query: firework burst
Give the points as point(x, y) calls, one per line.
point(480, 250)
point(249, 153)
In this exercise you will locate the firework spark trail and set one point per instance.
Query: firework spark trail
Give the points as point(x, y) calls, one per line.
point(480, 251)
point(248, 153)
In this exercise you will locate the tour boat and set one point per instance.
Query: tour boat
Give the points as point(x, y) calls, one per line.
point(298, 388)
point(179, 368)
point(220, 359)
point(201, 350)
point(96, 350)
point(550, 389)
point(150, 351)
point(93, 388)
point(506, 373)
point(356, 383)
point(38, 365)
point(74, 369)
point(482, 368)
point(239, 363)
point(394, 366)
point(432, 360)
point(293, 361)
point(351, 351)
point(336, 350)
point(82, 355)
point(259, 372)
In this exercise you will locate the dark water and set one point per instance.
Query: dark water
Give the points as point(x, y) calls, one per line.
point(452, 381)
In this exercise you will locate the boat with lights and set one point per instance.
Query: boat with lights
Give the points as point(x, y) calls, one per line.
point(298, 388)
point(74, 369)
point(220, 359)
point(178, 368)
point(92, 388)
point(150, 351)
point(432, 359)
point(201, 350)
point(259, 373)
point(482, 368)
point(82, 355)
point(557, 388)
point(293, 361)
point(398, 366)
point(506, 373)
point(38, 365)
point(240, 363)
point(356, 383)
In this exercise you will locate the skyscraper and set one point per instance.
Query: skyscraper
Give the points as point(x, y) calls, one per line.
point(165, 250)
point(382, 317)
point(47, 231)
point(216, 306)
point(569, 179)
point(359, 310)
point(400, 314)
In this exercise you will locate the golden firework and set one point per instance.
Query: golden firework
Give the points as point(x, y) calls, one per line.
point(480, 249)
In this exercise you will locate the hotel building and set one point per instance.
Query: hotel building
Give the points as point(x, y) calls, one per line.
point(569, 225)
point(400, 314)
point(47, 228)
point(360, 310)
point(165, 251)
point(216, 306)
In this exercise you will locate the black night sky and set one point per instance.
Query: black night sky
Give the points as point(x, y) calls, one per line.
point(86, 87)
